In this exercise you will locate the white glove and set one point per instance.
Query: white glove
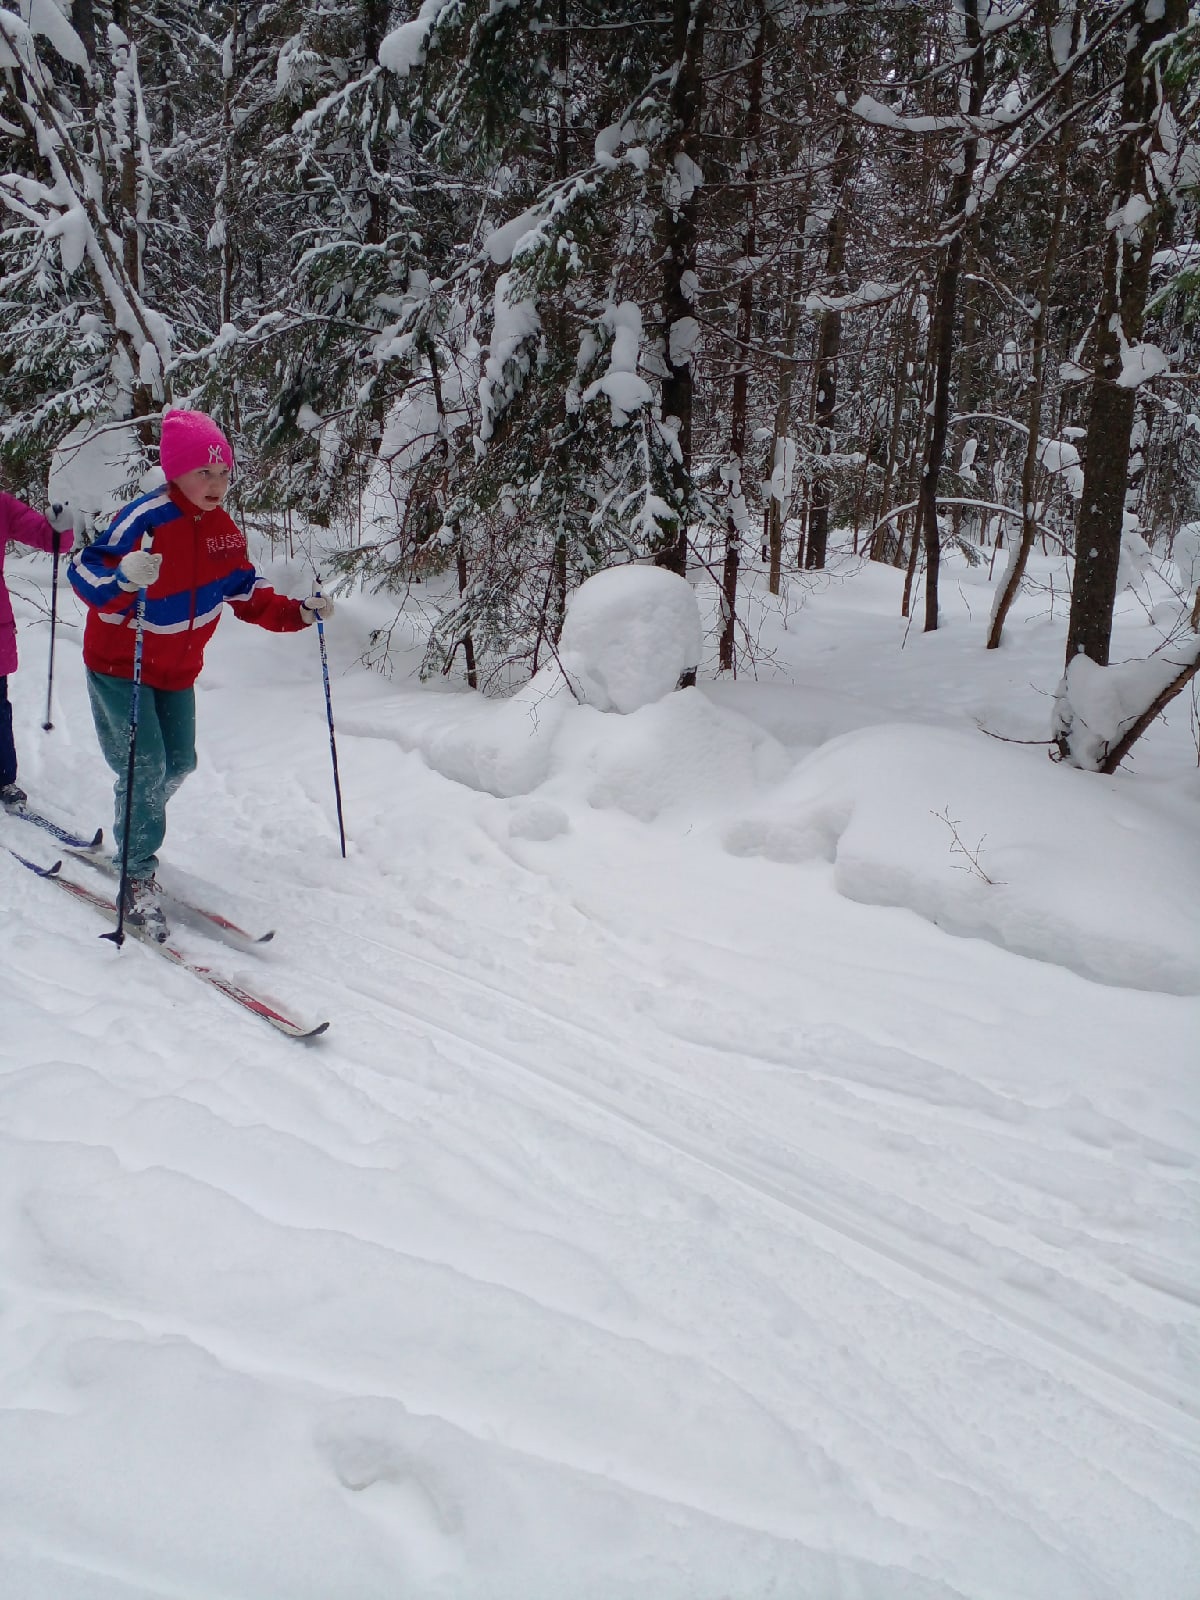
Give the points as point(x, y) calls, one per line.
point(317, 605)
point(139, 569)
point(62, 518)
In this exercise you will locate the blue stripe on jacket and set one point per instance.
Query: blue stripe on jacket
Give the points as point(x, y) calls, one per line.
point(188, 608)
point(93, 571)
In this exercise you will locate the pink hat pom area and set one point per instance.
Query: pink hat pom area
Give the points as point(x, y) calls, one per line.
point(191, 440)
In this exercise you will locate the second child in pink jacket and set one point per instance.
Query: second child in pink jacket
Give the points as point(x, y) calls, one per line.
point(23, 524)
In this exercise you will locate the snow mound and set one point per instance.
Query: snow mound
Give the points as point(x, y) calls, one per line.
point(682, 756)
point(500, 747)
point(536, 819)
point(991, 841)
point(630, 633)
point(1098, 705)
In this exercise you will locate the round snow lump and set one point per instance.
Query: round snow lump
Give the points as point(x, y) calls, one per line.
point(629, 635)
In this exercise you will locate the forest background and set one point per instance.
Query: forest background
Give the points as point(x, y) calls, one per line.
point(501, 295)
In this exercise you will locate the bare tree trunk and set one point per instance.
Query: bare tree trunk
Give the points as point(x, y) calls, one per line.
point(965, 390)
point(942, 332)
point(1127, 261)
point(678, 255)
point(468, 644)
point(83, 20)
point(226, 199)
point(375, 23)
point(914, 549)
point(773, 515)
point(903, 363)
point(446, 450)
point(737, 512)
point(783, 412)
point(1011, 582)
point(829, 347)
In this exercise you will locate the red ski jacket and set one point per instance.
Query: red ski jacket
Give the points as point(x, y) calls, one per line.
point(204, 566)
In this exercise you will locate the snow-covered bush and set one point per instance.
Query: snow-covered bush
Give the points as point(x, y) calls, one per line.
point(630, 634)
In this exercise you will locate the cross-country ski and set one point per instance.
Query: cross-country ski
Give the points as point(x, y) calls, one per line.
point(257, 1005)
point(56, 830)
point(184, 904)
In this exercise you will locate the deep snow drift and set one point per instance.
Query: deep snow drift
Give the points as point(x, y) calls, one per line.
point(754, 1153)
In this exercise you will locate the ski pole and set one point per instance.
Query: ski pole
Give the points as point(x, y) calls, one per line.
point(337, 785)
point(47, 724)
point(118, 933)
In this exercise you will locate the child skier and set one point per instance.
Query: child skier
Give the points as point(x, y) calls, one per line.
point(187, 553)
point(27, 526)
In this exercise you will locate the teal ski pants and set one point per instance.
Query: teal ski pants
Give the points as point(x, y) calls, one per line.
point(166, 753)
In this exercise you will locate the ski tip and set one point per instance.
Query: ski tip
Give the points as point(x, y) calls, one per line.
point(290, 1029)
point(51, 871)
point(265, 938)
point(96, 840)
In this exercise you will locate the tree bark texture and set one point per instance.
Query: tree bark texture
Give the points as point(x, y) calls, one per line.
point(678, 256)
point(942, 332)
point(1126, 282)
point(1015, 571)
point(829, 344)
point(741, 378)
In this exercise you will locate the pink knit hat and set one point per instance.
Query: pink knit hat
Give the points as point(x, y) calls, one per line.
point(191, 440)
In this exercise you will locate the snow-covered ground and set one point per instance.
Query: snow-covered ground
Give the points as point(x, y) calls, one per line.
point(753, 1155)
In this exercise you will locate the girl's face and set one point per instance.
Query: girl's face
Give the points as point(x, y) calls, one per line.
point(205, 487)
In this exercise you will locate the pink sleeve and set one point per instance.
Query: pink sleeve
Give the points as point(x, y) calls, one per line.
point(22, 523)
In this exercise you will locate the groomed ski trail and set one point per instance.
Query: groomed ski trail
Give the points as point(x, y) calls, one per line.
point(669, 1192)
point(796, 1179)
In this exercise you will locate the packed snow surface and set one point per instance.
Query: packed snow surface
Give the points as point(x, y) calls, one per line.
point(753, 1154)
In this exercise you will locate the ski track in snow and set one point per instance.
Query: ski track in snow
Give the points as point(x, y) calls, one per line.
point(806, 1192)
point(651, 1222)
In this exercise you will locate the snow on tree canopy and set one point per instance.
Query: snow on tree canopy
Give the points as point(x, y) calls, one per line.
point(629, 635)
point(514, 324)
point(1061, 459)
point(503, 242)
point(44, 17)
point(626, 391)
point(70, 228)
point(404, 48)
point(94, 469)
point(1140, 363)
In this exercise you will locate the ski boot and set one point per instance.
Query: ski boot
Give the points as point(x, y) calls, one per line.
point(143, 909)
